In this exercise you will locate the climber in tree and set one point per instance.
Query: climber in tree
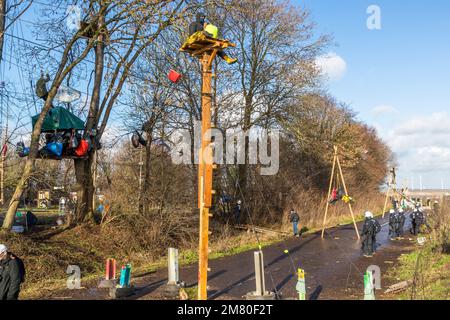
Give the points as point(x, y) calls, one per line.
point(200, 25)
point(41, 86)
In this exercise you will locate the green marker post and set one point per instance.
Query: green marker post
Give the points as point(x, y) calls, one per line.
point(301, 285)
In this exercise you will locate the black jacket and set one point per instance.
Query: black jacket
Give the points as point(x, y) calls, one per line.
point(294, 217)
point(12, 275)
point(371, 227)
point(197, 25)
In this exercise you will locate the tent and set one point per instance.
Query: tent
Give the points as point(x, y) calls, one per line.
point(59, 118)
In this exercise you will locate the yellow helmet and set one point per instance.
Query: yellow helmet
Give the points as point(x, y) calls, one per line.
point(213, 30)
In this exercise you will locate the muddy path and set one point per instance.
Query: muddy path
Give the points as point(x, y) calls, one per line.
point(334, 269)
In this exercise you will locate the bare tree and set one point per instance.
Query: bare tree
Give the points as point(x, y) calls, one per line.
point(276, 49)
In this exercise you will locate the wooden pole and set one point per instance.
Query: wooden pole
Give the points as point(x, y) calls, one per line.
point(386, 200)
point(5, 141)
point(205, 174)
point(346, 193)
point(329, 190)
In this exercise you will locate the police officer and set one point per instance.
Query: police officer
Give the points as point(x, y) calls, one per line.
point(415, 222)
point(370, 229)
point(392, 221)
point(401, 218)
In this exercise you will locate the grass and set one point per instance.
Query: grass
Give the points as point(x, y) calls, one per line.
point(432, 277)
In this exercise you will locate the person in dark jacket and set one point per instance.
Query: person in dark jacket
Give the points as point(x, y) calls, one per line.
point(198, 24)
point(12, 274)
point(294, 219)
point(41, 86)
point(393, 216)
point(237, 212)
point(415, 222)
point(400, 223)
point(370, 229)
point(201, 25)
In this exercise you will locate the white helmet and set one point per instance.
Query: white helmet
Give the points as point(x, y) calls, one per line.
point(392, 211)
point(401, 210)
point(368, 214)
point(3, 249)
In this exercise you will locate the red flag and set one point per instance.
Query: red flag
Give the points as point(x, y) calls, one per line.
point(4, 149)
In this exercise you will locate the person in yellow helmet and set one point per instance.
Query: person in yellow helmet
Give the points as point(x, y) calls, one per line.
point(211, 31)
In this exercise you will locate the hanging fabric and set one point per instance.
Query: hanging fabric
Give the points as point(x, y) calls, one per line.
point(82, 148)
point(135, 140)
point(4, 149)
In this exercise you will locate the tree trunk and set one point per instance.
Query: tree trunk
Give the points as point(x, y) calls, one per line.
point(83, 168)
point(85, 189)
point(144, 207)
point(243, 169)
point(2, 26)
point(15, 200)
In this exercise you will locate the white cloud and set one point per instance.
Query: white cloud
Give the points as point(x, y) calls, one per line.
point(331, 66)
point(422, 144)
point(384, 110)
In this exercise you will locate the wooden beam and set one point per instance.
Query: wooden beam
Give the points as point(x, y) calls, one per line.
point(386, 200)
point(329, 191)
point(205, 174)
point(346, 193)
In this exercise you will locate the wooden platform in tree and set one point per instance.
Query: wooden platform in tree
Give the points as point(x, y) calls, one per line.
point(199, 43)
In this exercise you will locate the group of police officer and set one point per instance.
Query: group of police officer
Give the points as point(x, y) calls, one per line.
point(397, 219)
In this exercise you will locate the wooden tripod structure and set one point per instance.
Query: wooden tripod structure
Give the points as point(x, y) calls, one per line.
point(391, 187)
point(337, 162)
point(205, 49)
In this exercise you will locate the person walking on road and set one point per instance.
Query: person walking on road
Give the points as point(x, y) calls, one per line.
point(370, 229)
point(393, 217)
point(294, 218)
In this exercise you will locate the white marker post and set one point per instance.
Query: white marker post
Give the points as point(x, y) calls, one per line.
point(174, 277)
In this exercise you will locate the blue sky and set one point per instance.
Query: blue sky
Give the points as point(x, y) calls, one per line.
point(396, 78)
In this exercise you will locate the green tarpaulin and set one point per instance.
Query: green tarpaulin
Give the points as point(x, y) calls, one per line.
point(59, 118)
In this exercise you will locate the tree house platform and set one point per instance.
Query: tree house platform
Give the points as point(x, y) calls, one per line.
point(199, 43)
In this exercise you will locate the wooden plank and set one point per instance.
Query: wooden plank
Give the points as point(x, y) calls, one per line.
point(260, 229)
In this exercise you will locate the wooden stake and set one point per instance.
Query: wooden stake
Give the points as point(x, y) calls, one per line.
point(346, 193)
point(386, 201)
point(329, 190)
